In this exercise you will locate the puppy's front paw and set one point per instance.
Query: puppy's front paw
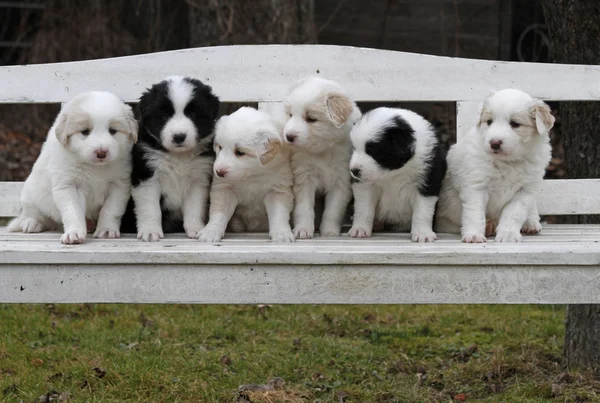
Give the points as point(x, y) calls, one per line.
point(209, 234)
point(359, 232)
point(107, 232)
point(474, 238)
point(150, 235)
point(282, 236)
point(508, 235)
point(423, 236)
point(531, 228)
point(192, 230)
point(304, 232)
point(31, 224)
point(330, 229)
point(71, 237)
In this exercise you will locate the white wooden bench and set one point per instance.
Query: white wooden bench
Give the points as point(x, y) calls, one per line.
point(562, 265)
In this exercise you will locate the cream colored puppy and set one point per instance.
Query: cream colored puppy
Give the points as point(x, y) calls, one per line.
point(83, 170)
point(252, 184)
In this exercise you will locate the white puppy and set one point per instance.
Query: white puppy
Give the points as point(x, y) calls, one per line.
point(321, 116)
point(83, 170)
point(398, 165)
point(495, 171)
point(252, 185)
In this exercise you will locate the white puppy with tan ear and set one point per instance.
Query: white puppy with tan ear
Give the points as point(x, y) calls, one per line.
point(321, 115)
point(252, 184)
point(496, 170)
point(83, 170)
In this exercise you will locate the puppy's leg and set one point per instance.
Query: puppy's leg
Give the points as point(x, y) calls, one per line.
point(147, 210)
point(194, 210)
point(474, 202)
point(109, 220)
point(222, 206)
point(30, 220)
point(71, 205)
point(279, 206)
point(365, 201)
point(421, 229)
point(336, 204)
point(513, 217)
point(532, 225)
point(304, 212)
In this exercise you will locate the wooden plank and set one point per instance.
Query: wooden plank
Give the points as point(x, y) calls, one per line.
point(557, 197)
point(301, 284)
point(263, 73)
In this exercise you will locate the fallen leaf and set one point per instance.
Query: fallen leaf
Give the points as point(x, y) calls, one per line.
point(341, 395)
point(461, 397)
point(37, 362)
point(225, 360)
point(84, 384)
point(100, 373)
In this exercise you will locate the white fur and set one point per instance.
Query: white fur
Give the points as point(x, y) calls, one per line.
point(69, 182)
point(250, 192)
point(321, 152)
point(500, 186)
point(392, 196)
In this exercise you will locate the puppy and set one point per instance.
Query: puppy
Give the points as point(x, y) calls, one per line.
point(320, 116)
point(252, 187)
point(398, 165)
point(495, 171)
point(172, 162)
point(83, 170)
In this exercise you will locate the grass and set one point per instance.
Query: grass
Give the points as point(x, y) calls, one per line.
point(186, 353)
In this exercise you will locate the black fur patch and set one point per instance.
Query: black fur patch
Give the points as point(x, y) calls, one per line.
point(435, 171)
point(394, 146)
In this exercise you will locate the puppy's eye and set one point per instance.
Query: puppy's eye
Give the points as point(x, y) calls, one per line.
point(85, 132)
point(514, 124)
point(489, 122)
point(239, 153)
point(112, 131)
point(310, 119)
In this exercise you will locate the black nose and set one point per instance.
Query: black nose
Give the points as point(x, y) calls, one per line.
point(496, 144)
point(355, 172)
point(290, 137)
point(179, 138)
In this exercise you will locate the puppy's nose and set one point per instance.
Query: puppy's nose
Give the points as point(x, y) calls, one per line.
point(221, 173)
point(355, 172)
point(101, 154)
point(179, 138)
point(291, 137)
point(495, 144)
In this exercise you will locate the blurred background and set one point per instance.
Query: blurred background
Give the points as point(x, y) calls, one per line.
point(37, 31)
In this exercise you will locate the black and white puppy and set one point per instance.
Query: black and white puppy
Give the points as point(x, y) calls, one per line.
point(398, 165)
point(173, 158)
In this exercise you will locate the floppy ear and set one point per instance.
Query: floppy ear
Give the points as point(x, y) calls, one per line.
point(267, 148)
point(213, 103)
point(544, 121)
point(339, 109)
point(131, 122)
point(60, 129)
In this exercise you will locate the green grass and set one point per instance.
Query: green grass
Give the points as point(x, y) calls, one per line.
point(180, 353)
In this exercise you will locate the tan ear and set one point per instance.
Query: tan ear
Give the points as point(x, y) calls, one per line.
point(60, 129)
point(268, 149)
point(339, 109)
point(132, 123)
point(544, 121)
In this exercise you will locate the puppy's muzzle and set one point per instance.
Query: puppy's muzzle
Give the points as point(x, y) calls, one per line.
point(179, 138)
point(496, 145)
point(355, 173)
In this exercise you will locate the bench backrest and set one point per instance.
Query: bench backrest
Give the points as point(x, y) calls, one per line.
point(263, 73)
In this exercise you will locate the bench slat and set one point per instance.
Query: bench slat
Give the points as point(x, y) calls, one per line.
point(264, 73)
point(558, 197)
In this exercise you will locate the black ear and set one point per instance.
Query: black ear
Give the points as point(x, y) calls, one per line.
point(213, 103)
point(144, 103)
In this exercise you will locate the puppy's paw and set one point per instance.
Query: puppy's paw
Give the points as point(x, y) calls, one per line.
point(508, 235)
point(209, 234)
point(150, 235)
point(490, 227)
point(282, 236)
point(304, 232)
point(107, 232)
point(474, 238)
point(359, 232)
point(30, 224)
point(71, 237)
point(531, 228)
point(192, 230)
point(423, 236)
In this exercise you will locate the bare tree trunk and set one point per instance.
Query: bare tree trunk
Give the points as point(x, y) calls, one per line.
point(574, 32)
point(227, 22)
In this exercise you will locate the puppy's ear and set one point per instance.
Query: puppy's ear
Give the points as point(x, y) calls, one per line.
point(339, 109)
point(131, 123)
point(213, 103)
point(60, 129)
point(541, 112)
point(267, 148)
